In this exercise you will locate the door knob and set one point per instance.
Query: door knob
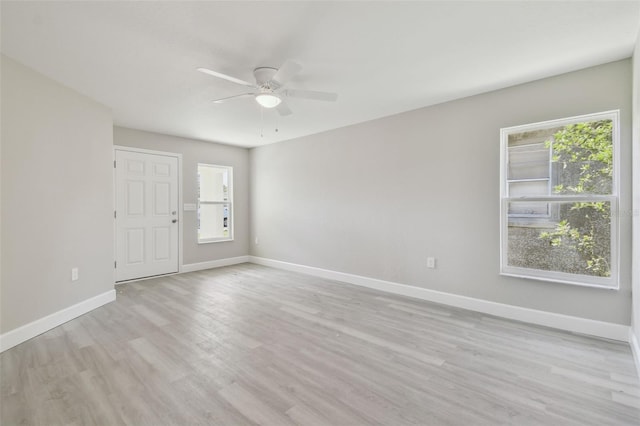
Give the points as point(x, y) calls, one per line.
point(174, 220)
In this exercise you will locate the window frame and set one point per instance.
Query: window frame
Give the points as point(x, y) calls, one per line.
point(611, 282)
point(222, 202)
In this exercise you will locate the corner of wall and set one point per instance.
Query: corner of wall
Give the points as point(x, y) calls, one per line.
point(634, 337)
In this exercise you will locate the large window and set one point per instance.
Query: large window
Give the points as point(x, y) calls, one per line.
point(215, 203)
point(559, 199)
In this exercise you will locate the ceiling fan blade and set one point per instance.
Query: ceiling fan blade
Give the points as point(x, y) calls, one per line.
point(226, 77)
point(286, 72)
point(222, 100)
point(283, 109)
point(310, 94)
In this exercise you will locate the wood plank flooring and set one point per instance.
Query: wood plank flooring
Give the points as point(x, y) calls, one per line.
point(248, 344)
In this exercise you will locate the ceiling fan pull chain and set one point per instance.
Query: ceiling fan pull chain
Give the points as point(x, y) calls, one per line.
point(261, 122)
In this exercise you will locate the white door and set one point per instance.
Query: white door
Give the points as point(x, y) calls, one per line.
point(146, 214)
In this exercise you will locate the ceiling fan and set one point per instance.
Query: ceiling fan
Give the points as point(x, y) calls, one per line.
point(269, 90)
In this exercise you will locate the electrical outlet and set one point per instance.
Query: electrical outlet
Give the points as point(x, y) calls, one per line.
point(431, 262)
point(74, 274)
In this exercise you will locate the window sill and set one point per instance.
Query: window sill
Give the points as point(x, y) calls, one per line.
point(221, 240)
point(562, 280)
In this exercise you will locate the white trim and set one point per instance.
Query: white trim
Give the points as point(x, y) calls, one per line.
point(146, 151)
point(133, 280)
point(613, 114)
point(190, 267)
point(548, 319)
point(635, 349)
point(22, 334)
point(180, 213)
point(212, 241)
point(556, 277)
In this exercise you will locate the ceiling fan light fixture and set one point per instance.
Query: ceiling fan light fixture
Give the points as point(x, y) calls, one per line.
point(268, 100)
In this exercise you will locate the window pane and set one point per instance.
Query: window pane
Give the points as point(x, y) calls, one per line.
point(539, 188)
point(529, 209)
point(214, 183)
point(530, 160)
point(214, 221)
point(578, 158)
point(534, 188)
point(578, 242)
point(583, 158)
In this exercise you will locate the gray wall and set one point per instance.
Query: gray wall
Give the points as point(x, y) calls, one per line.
point(376, 199)
point(56, 196)
point(636, 192)
point(194, 152)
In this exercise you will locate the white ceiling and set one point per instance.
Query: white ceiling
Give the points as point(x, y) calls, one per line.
point(383, 58)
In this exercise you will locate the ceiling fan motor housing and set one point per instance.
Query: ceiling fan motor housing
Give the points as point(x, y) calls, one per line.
point(264, 75)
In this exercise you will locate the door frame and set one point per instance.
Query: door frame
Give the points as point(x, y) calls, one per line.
point(180, 222)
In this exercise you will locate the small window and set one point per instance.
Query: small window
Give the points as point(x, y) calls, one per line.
point(215, 203)
point(559, 200)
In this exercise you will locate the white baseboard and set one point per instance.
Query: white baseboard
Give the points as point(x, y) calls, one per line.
point(191, 267)
point(549, 319)
point(635, 349)
point(37, 327)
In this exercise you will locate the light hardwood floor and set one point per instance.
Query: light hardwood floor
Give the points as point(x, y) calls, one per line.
point(249, 345)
